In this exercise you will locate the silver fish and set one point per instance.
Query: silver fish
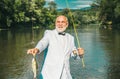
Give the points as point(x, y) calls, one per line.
point(34, 67)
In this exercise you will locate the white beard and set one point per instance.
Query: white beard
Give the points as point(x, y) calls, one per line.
point(60, 30)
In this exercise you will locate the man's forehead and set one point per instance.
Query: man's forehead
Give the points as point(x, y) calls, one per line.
point(61, 18)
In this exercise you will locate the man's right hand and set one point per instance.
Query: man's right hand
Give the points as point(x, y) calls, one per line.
point(33, 51)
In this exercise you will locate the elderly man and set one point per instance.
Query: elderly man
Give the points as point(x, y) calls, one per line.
point(60, 47)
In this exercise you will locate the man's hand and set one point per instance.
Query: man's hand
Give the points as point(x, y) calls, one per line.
point(33, 51)
point(80, 51)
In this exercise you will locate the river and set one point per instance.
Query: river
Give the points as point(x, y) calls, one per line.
point(102, 53)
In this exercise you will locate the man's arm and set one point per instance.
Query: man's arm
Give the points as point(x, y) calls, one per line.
point(42, 44)
point(77, 51)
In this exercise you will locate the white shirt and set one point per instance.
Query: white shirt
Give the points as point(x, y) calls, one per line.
point(56, 64)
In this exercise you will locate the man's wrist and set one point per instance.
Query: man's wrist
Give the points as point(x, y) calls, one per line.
point(37, 50)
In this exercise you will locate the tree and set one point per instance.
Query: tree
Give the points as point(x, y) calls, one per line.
point(14, 12)
point(109, 12)
point(6, 13)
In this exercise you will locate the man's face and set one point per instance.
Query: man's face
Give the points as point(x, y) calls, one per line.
point(61, 23)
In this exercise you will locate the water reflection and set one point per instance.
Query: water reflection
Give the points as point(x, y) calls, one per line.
point(14, 63)
point(111, 40)
point(101, 58)
point(95, 58)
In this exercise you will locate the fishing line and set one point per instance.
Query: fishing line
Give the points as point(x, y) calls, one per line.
point(32, 30)
point(76, 34)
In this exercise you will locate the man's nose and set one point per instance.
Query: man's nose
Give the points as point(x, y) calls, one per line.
point(60, 23)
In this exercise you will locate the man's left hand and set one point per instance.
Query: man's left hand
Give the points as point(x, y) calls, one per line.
point(80, 51)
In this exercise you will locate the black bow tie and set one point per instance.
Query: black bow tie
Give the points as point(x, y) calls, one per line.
point(61, 33)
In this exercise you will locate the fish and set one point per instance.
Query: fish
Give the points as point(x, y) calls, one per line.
point(34, 67)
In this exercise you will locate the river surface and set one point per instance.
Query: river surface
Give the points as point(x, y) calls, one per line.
point(102, 53)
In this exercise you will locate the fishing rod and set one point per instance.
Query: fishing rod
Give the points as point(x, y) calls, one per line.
point(76, 34)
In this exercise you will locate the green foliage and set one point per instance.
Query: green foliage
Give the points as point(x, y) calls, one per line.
point(109, 12)
point(34, 13)
point(80, 17)
point(117, 10)
point(13, 12)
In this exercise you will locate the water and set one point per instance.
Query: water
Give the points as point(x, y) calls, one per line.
point(102, 56)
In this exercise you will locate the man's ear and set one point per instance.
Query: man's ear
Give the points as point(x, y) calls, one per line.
point(67, 24)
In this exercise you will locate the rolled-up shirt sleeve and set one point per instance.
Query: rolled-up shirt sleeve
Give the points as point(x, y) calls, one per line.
point(43, 43)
